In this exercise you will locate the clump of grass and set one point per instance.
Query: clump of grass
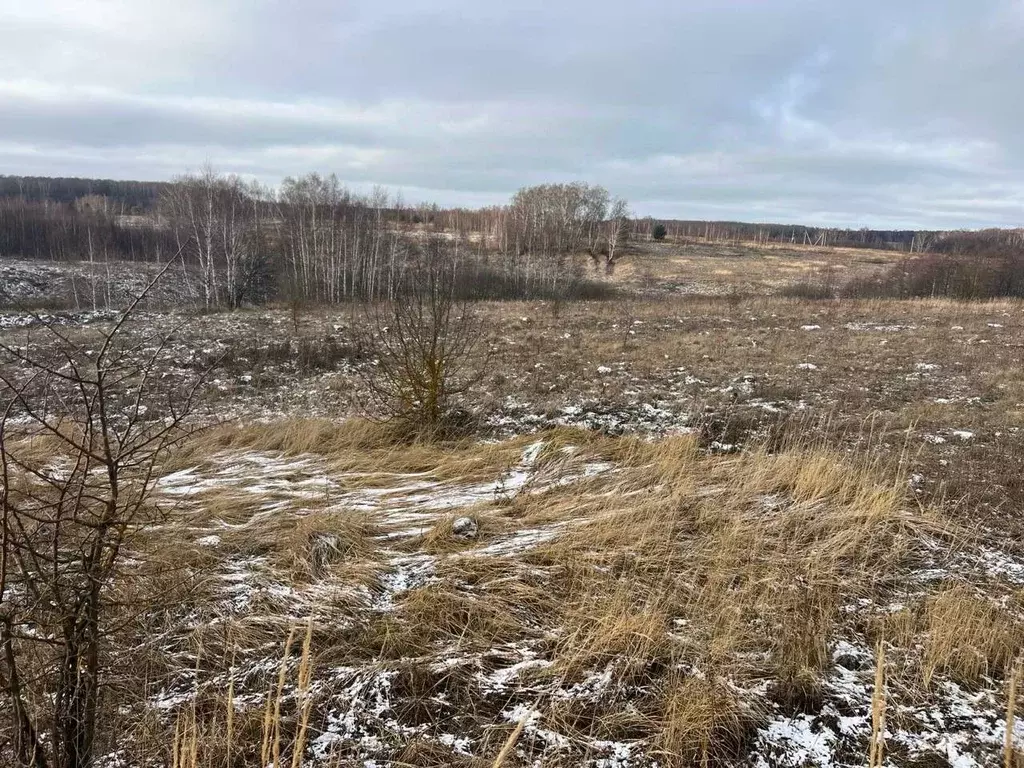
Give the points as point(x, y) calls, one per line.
point(306, 545)
point(619, 628)
point(806, 613)
point(752, 555)
point(295, 436)
point(703, 723)
point(319, 540)
point(443, 614)
point(280, 727)
point(423, 751)
point(967, 637)
point(441, 537)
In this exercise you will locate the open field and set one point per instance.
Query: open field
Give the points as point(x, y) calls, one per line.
point(497, 385)
point(691, 526)
point(743, 268)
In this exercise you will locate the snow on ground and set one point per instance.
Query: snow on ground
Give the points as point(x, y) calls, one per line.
point(11, 320)
point(517, 417)
point(400, 505)
point(83, 285)
point(965, 729)
point(403, 505)
point(364, 709)
point(879, 327)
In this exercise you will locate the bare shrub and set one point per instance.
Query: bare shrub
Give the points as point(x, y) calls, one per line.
point(820, 284)
point(424, 346)
point(84, 426)
point(961, 276)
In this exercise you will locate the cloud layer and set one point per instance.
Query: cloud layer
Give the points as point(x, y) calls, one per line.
point(876, 113)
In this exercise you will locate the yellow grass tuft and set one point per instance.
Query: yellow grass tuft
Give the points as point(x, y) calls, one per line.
point(623, 628)
point(967, 637)
point(703, 723)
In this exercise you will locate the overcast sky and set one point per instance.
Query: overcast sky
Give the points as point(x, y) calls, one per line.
point(877, 113)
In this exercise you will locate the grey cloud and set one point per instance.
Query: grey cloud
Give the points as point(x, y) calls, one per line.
point(874, 113)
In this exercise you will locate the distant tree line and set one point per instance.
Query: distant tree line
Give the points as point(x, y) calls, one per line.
point(312, 240)
point(85, 230)
point(123, 197)
point(914, 241)
point(980, 265)
point(985, 242)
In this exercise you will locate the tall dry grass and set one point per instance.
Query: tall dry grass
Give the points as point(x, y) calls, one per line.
point(967, 636)
point(683, 580)
point(199, 743)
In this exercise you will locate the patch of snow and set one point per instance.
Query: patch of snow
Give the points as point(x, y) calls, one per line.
point(879, 327)
point(998, 563)
point(794, 743)
point(499, 680)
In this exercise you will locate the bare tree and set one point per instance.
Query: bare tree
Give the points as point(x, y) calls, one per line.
point(335, 245)
point(219, 225)
point(616, 232)
point(556, 218)
point(84, 426)
point(425, 344)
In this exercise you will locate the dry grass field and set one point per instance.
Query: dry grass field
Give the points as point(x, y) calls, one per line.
point(743, 268)
point(701, 524)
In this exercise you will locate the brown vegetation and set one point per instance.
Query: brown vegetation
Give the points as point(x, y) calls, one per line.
point(733, 571)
